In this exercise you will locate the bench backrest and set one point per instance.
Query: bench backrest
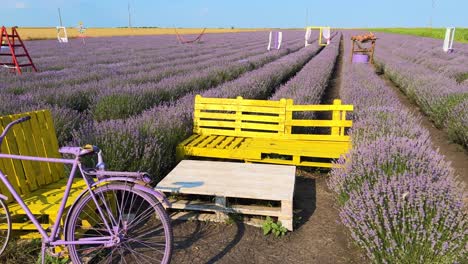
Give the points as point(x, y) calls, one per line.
point(266, 119)
point(35, 137)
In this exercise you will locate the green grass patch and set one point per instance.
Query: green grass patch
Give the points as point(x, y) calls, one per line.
point(461, 34)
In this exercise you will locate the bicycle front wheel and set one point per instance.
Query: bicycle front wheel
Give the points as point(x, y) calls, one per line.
point(5, 226)
point(140, 230)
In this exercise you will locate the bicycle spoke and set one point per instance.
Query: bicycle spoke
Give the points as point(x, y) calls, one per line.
point(151, 260)
point(138, 234)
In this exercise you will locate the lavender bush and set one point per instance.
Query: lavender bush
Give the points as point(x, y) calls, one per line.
point(408, 219)
point(385, 157)
point(430, 77)
point(457, 123)
point(398, 196)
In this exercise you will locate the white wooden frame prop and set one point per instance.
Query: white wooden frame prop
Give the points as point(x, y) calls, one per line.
point(275, 39)
point(64, 38)
point(448, 41)
point(324, 34)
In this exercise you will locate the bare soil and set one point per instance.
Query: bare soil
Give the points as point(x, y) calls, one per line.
point(318, 236)
point(453, 152)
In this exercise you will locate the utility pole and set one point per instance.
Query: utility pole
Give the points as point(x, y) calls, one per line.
point(129, 16)
point(60, 17)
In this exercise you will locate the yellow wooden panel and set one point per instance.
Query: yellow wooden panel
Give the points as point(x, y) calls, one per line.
point(226, 142)
point(206, 141)
point(304, 108)
point(264, 118)
point(336, 116)
point(207, 100)
point(212, 123)
point(321, 123)
point(43, 140)
point(34, 142)
point(53, 148)
point(216, 107)
point(213, 153)
point(12, 148)
point(215, 115)
point(260, 109)
point(316, 137)
point(221, 132)
point(215, 142)
point(5, 167)
point(258, 126)
point(235, 143)
point(189, 139)
point(197, 140)
point(289, 162)
point(239, 100)
point(23, 140)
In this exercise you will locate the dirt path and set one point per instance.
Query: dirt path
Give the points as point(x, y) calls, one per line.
point(453, 152)
point(318, 237)
point(333, 89)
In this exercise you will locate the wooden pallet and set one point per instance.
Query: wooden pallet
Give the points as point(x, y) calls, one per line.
point(232, 188)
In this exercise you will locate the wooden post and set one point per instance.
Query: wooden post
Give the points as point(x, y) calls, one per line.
point(372, 52)
point(288, 117)
point(335, 131)
point(220, 202)
point(196, 115)
point(238, 116)
point(352, 52)
point(286, 217)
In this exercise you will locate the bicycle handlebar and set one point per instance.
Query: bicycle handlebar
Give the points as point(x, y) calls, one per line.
point(20, 120)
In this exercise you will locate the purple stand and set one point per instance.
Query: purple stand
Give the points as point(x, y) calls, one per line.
point(360, 58)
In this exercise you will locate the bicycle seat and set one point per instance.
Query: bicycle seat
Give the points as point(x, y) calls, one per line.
point(70, 150)
point(88, 150)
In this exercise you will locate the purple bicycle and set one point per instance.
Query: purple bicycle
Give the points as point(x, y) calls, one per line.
point(118, 218)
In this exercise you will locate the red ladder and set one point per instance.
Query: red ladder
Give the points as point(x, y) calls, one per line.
point(8, 40)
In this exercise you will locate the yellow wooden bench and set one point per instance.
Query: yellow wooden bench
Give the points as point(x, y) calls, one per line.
point(40, 184)
point(266, 131)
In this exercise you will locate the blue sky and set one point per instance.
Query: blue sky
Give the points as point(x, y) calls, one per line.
point(237, 13)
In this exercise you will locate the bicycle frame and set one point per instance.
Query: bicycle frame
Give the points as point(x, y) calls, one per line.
point(19, 200)
point(76, 164)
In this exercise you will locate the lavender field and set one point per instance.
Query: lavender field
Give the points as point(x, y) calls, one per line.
point(399, 197)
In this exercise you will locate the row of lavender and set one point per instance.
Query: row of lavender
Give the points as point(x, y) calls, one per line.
point(397, 196)
point(148, 141)
point(431, 78)
point(70, 100)
point(428, 53)
point(308, 86)
point(95, 89)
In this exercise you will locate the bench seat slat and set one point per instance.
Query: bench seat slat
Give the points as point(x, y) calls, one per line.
point(206, 141)
point(305, 108)
point(237, 101)
point(249, 109)
point(226, 142)
point(320, 123)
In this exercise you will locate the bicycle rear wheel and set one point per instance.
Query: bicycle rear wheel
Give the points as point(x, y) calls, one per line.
point(140, 227)
point(5, 226)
